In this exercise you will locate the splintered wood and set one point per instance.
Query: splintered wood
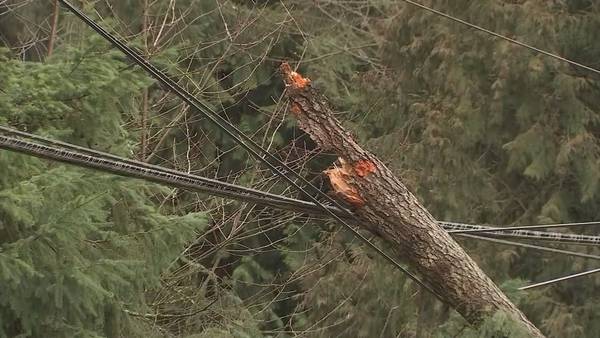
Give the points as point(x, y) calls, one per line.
point(338, 178)
point(293, 78)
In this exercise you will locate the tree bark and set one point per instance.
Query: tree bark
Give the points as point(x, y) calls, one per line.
point(387, 209)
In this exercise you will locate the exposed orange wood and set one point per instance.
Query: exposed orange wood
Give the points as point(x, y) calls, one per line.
point(338, 177)
point(293, 78)
point(364, 167)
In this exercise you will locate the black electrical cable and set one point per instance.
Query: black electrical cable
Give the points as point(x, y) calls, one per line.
point(241, 138)
point(131, 170)
point(532, 246)
point(526, 227)
point(215, 186)
point(455, 228)
point(93, 159)
point(237, 192)
point(500, 36)
point(53, 151)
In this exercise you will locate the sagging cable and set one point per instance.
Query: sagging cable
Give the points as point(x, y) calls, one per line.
point(81, 156)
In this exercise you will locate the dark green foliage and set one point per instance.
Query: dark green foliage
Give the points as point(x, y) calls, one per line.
point(491, 132)
point(78, 248)
point(481, 130)
point(499, 325)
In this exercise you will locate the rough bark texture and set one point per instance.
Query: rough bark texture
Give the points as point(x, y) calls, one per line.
point(387, 209)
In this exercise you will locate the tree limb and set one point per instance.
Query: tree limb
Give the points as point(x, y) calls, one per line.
point(387, 209)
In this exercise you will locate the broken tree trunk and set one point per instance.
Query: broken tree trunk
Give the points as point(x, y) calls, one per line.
point(387, 209)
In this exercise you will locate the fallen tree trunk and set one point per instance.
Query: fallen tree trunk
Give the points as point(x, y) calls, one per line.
point(387, 209)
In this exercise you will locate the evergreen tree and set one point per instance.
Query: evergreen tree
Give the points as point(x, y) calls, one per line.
point(481, 130)
point(77, 248)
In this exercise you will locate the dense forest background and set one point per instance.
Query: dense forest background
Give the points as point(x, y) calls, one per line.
point(481, 130)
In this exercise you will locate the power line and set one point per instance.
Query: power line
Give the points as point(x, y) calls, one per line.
point(76, 155)
point(287, 203)
point(212, 186)
point(536, 247)
point(526, 227)
point(252, 147)
point(130, 170)
point(500, 36)
point(560, 279)
point(455, 228)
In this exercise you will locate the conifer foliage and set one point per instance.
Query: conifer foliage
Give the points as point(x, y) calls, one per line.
point(479, 129)
point(76, 247)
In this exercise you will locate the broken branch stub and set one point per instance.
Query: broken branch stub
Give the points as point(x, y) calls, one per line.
point(386, 208)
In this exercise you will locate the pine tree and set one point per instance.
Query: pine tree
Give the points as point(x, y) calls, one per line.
point(481, 130)
point(78, 248)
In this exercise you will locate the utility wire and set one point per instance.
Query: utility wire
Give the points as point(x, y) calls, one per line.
point(560, 279)
point(455, 228)
point(240, 192)
point(215, 187)
point(131, 170)
point(536, 247)
point(503, 37)
point(526, 227)
point(54, 150)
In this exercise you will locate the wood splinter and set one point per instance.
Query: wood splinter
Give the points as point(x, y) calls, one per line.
point(292, 78)
point(338, 178)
